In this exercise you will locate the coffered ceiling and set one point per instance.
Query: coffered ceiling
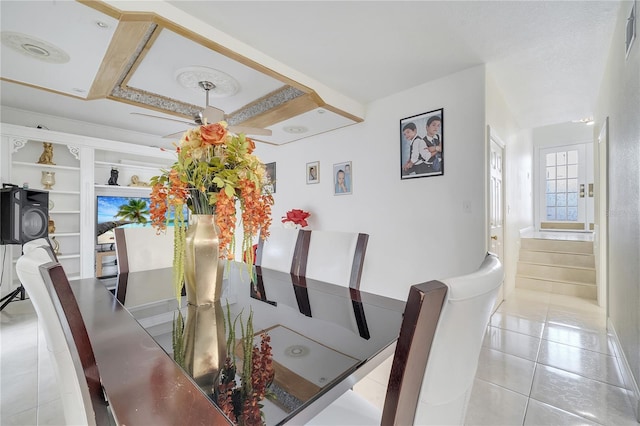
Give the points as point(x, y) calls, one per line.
point(151, 67)
point(297, 68)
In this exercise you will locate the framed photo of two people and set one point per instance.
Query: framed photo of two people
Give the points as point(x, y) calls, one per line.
point(422, 145)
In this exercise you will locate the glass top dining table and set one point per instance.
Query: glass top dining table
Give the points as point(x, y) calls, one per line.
point(324, 337)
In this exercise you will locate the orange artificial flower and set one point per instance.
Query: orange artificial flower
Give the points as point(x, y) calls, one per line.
point(214, 133)
point(251, 145)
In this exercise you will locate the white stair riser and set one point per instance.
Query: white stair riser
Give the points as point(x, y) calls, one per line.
point(585, 247)
point(577, 290)
point(557, 273)
point(558, 259)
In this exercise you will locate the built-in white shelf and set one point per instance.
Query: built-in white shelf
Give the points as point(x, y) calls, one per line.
point(55, 191)
point(123, 187)
point(45, 166)
point(65, 234)
point(136, 165)
point(68, 256)
point(82, 171)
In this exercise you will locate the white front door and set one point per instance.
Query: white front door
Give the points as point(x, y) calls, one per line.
point(565, 196)
point(496, 219)
point(496, 205)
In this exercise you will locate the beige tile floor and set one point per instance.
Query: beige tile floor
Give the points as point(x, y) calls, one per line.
point(546, 360)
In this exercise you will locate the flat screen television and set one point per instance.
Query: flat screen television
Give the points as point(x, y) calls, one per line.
point(134, 212)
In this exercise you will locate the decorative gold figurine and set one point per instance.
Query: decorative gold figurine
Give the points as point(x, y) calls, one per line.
point(135, 181)
point(52, 226)
point(47, 155)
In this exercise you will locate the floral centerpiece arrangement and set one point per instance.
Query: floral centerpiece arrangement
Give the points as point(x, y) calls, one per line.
point(296, 218)
point(216, 174)
point(241, 403)
point(214, 170)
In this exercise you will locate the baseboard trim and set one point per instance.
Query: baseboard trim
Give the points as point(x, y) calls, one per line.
point(627, 376)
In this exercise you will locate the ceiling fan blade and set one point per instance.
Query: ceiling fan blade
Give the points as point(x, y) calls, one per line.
point(213, 114)
point(191, 123)
point(250, 130)
point(176, 135)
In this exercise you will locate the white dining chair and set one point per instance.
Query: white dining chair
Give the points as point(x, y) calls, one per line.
point(143, 248)
point(334, 257)
point(38, 242)
point(277, 262)
point(436, 355)
point(67, 341)
point(278, 251)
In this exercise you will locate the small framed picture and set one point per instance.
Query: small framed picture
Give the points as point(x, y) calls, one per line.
point(342, 178)
point(313, 172)
point(270, 177)
point(422, 145)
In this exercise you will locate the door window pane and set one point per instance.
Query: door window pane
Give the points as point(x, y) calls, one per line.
point(562, 185)
point(572, 213)
point(562, 158)
point(551, 186)
point(551, 159)
point(561, 199)
point(551, 172)
point(572, 171)
point(551, 200)
point(561, 172)
point(572, 157)
point(551, 213)
point(572, 199)
point(561, 213)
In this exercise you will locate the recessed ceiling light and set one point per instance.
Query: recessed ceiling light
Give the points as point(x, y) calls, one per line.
point(295, 129)
point(79, 90)
point(34, 48)
point(102, 25)
point(296, 351)
point(321, 111)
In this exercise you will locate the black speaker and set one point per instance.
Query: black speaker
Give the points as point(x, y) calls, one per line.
point(23, 215)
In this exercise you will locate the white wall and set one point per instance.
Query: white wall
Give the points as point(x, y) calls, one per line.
point(517, 177)
point(620, 100)
point(562, 134)
point(418, 229)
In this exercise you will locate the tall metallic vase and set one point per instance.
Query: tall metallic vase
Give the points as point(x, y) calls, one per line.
point(204, 333)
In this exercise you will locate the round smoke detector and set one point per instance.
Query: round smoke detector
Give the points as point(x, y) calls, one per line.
point(224, 84)
point(34, 47)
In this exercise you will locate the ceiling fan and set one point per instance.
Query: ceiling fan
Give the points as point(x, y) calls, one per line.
point(210, 115)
